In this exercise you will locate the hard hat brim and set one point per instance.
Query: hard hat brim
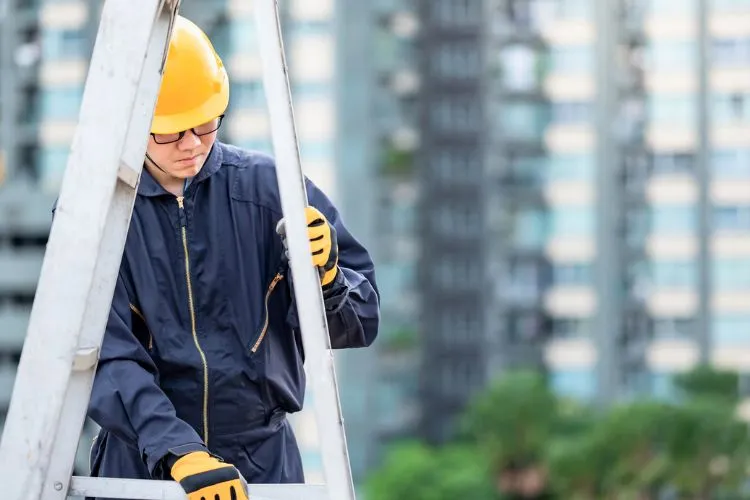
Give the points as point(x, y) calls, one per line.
point(171, 124)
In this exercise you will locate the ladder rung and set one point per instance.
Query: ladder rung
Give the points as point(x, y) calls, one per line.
point(169, 490)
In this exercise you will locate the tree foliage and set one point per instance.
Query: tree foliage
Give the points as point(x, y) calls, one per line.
point(520, 442)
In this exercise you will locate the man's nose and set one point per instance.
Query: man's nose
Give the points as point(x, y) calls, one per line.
point(189, 140)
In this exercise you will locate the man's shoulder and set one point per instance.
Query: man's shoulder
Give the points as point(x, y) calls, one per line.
point(252, 174)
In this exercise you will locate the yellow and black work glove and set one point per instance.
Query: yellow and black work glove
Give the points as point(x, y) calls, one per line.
point(323, 244)
point(203, 477)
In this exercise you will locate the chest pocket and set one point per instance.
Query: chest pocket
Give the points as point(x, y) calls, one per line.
point(259, 254)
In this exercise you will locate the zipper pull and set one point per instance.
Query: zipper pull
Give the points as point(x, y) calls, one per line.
point(181, 204)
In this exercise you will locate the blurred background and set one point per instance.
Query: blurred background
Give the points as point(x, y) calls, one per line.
point(557, 197)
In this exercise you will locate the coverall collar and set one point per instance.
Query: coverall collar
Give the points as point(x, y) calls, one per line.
point(150, 187)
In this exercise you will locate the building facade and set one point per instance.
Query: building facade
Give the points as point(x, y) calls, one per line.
point(582, 164)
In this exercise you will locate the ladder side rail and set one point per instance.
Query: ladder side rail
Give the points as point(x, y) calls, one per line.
point(75, 276)
point(308, 294)
point(170, 490)
point(115, 231)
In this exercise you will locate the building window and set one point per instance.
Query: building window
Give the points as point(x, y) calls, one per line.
point(460, 325)
point(316, 150)
point(732, 218)
point(564, 328)
point(671, 55)
point(525, 327)
point(311, 90)
point(458, 219)
point(302, 28)
point(528, 170)
point(570, 167)
point(731, 6)
point(673, 7)
point(572, 59)
point(524, 281)
point(456, 114)
point(61, 103)
point(65, 44)
point(731, 274)
point(247, 94)
point(674, 328)
point(243, 35)
point(731, 163)
point(457, 12)
point(577, 384)
point(662, 385)
point(673, 274)
point(52, 162)
point(576, 274)
point(673, 163)
point(524, 120)
point(564, 9)
point(519, 68)
point(731, 108)
point(458, 273)
point(730, 52)
point(456, 165)
point(572, 221)
point(530, 229)
point(571, 112)
point(731, 330)
point(261, 145)
point(456, 60)
point(674, 110)
point(673, 219)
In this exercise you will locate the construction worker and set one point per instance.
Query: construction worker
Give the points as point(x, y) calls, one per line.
point(202, 357)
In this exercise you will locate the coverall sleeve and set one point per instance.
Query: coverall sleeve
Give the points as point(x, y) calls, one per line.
point(126, 399)
point(352, 301)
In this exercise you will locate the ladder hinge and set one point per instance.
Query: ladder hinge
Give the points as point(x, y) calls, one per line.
point(85, 358)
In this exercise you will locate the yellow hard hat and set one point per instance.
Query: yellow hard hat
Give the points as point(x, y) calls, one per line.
point(195, 85)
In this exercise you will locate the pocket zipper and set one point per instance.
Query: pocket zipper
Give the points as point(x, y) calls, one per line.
point(140, 315)
point(263, 332)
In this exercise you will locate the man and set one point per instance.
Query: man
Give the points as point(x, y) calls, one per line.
point(202, 357)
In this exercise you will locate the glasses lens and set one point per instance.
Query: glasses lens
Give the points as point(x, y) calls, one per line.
point(208, 127)
point(166, 138)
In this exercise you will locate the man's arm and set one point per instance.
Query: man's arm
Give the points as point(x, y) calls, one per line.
point(126, 399)
point(352, 300)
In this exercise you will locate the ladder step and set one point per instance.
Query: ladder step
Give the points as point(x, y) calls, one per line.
point(170, 490)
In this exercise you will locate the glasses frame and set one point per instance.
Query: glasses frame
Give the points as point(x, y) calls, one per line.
point(180, 135)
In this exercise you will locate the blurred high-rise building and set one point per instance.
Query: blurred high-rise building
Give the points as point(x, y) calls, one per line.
point(378, 85)
point(584, 174)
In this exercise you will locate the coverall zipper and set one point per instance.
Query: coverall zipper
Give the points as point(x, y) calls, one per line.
point(191, 305)
point(271, 287)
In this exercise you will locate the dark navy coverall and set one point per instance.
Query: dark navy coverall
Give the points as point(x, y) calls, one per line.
point(202, 349)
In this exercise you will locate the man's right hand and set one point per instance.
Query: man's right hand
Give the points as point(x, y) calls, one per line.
point(204, 477)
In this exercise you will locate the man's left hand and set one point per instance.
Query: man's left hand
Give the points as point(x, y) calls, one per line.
point(323, 245)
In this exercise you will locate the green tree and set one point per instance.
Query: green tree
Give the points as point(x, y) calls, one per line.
point(522, 442)
point(708, 381)
point(511, 423)
point(416, 471)
point(708, 449)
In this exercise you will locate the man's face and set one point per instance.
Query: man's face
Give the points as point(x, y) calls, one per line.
point(183, 158)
